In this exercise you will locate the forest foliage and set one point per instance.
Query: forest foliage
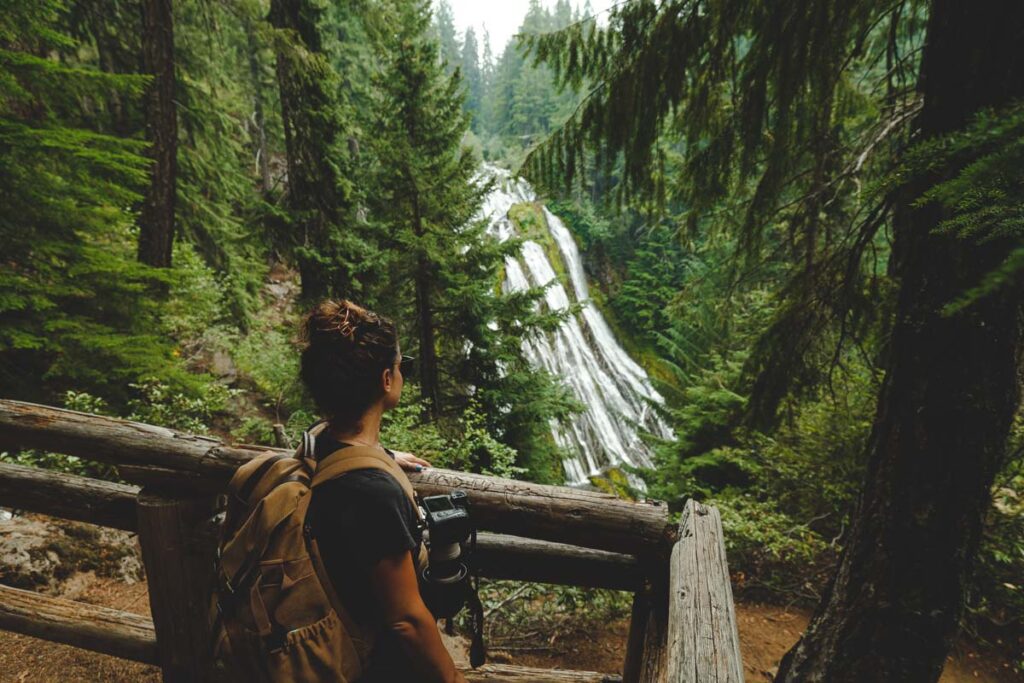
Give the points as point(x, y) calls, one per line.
point(737, 228)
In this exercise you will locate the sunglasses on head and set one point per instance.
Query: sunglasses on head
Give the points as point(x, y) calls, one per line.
point(407, 365)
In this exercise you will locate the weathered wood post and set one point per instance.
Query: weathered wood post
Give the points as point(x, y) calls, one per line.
point(703, 642)
point(179, 571)
point(646, 642)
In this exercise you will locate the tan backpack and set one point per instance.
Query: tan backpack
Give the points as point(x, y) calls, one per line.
point(276, 614)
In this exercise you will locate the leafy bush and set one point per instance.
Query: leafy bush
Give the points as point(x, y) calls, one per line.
point(771, 551)
point(156, 403)
point(254, 429)
point(784, 496)
point(195, 313)
point(462, 443)
point(268, 357)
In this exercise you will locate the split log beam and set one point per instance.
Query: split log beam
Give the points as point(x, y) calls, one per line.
point(100, 629)
point(591, 519)
point(68, 496)
point(180, 578)
point(585, 518)
point(703, 641)
point(502, 673)
point(500, 556)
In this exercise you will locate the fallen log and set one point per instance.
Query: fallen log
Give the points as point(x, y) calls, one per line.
point(172, 460)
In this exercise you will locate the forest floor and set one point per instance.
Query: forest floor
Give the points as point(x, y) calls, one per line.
point(766, 632)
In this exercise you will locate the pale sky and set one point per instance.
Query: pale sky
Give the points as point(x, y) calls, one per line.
point(503, 17)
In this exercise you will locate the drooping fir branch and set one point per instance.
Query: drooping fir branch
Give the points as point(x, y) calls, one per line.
point(73, 304)
point(762, 119)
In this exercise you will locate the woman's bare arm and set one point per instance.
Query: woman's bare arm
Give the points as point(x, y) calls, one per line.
point(393, 580)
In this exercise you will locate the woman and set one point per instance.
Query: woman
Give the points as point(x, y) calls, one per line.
point(365, 525)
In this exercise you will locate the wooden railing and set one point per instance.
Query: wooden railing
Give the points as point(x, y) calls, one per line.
point(682, 629)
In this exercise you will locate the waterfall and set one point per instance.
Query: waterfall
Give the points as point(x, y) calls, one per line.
point(583, 352)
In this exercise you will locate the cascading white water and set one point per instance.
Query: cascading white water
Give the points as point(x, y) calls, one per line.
point(582, 352)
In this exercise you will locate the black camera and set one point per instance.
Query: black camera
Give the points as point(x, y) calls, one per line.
point(448, 535)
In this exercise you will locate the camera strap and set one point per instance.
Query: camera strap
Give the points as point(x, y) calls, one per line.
point(477, 650)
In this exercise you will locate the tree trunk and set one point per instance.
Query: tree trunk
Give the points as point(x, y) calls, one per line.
point(951, 389)
point(263, 157)
point(425, 319)
point(156, 222)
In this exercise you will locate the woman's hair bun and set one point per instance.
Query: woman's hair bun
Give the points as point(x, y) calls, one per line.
point(346, 348)
point(339, 317)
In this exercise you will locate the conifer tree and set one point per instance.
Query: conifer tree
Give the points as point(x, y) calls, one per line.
point(321, 191)
point(446, 268)
point(73, 306)
point(253, 47)
point(443, 30)
point(425, 176)
point(520, 102)
point(472, 74)
point(221, 164)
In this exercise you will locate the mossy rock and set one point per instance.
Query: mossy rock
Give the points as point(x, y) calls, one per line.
point(39, 553)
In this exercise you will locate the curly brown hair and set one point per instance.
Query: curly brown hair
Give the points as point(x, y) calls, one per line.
point(346, 349)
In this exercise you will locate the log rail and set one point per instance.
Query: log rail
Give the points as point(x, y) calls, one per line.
point(682, 628)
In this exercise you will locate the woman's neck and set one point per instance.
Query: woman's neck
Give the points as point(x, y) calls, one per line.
point(366, 432)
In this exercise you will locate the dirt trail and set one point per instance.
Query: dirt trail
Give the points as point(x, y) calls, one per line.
point(766, 632)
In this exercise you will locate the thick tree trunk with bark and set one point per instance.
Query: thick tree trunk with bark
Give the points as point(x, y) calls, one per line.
point(951, 388)
point(156, 223)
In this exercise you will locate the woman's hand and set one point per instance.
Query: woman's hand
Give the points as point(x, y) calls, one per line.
point(410, 462)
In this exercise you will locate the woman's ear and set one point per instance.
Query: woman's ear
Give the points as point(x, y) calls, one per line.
point(387, 379)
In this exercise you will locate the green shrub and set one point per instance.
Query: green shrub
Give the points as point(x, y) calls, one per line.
point(254, 429)
point(157, 403)
point(460, 443)
point(270, 360)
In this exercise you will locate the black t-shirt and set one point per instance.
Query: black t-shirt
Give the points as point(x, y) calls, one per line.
point(357, 519)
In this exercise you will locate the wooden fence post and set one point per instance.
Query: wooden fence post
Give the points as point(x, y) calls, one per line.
point(646, 658)
point(703, 642)
point(179, 571)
